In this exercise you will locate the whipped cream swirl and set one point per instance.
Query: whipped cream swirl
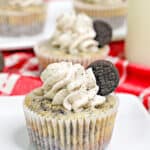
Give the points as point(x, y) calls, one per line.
point(74, 33)
point(25, 3)
point(71, 86)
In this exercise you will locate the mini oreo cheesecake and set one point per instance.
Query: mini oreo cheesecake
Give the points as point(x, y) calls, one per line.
point(75, 108)
point(75, 39)
point(111, 11)
point(22, 17)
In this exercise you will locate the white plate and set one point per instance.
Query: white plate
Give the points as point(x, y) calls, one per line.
point(55, 8)
point(132, 129)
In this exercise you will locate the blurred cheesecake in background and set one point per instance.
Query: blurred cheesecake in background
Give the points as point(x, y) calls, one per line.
point(76, 39)
point(22, 17)
point(112, 11)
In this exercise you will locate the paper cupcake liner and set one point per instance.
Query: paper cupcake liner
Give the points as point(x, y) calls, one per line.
point(45, 60)
point(100, 11)
point(92, 133)
point(22, 24)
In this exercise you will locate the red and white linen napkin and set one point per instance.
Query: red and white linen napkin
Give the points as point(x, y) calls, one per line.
point(21, 74)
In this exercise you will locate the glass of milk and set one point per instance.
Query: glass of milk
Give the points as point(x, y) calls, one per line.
point(138, 37)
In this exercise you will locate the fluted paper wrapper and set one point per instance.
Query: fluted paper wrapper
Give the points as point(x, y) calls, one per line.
point(23, 23)
point(45, 60)
point(92, 133)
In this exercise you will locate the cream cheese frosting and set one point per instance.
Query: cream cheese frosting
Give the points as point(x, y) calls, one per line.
point(71, 86)
point(74, 34)
point(25, 3)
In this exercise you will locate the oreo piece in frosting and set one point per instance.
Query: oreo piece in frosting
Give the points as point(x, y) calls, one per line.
point(107, 76)
point(1, 62)
point(103, 32)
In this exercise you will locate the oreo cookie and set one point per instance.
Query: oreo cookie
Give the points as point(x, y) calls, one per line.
point(103, 32)
point(107, 76)
point(1, 62)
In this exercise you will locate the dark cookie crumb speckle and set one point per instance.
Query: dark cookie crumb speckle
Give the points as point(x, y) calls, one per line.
point(103, 32)
point(107, 76)
point(44, 105)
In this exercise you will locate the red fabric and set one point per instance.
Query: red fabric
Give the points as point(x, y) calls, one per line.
point(21, 74)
